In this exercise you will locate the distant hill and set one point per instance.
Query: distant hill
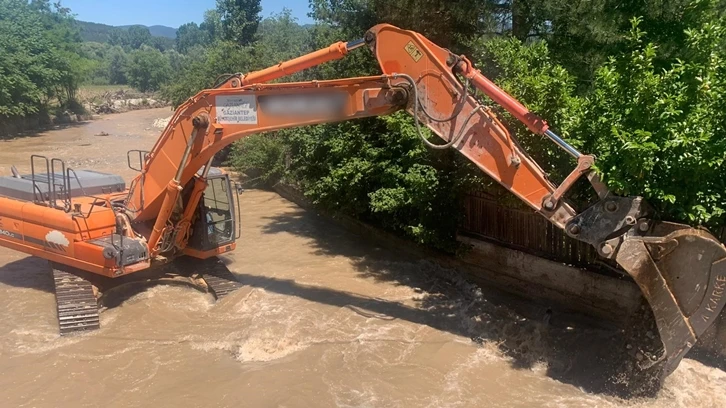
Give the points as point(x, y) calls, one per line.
point(96, 32)
point(159, 31)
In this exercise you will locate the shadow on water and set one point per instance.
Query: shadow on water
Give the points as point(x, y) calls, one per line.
point(40, 131)
point(586, 356)
point(29, 272)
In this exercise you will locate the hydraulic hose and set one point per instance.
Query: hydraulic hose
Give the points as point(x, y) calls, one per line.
point(417, 107)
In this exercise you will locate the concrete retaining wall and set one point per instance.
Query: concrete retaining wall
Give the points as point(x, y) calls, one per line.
point(538, 278)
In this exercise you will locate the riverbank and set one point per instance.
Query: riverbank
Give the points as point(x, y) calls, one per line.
point(94, 101)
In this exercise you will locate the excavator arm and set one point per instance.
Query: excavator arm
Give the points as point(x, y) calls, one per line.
point(680, 270)
point(212, 120)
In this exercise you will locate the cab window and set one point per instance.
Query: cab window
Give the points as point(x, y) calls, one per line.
point(218, 212)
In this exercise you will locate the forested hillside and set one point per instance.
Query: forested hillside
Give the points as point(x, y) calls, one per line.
point(96, 32)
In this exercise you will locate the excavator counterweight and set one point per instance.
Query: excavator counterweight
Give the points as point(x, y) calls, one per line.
point(180, 207)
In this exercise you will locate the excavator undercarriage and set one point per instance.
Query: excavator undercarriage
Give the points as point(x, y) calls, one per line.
point(81, 295)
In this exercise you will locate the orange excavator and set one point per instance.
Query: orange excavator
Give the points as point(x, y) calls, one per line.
point(94, 230)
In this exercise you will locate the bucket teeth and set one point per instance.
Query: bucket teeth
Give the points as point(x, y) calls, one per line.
point(76, 303)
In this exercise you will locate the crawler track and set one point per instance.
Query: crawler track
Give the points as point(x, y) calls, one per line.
point(218, 278)
point(76, 303)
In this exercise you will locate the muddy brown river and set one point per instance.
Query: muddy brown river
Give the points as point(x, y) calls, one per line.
point(325, 319)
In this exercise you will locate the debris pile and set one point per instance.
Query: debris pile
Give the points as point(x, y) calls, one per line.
point(161, 123)
point(122, 100)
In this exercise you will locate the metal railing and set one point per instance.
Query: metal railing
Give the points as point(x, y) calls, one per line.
point(485, 217)
point(54, 187)
point(51, 188)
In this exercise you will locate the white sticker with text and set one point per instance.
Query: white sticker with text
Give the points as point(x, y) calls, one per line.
point(236, 109)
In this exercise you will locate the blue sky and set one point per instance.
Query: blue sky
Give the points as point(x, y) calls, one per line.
point(172, 13)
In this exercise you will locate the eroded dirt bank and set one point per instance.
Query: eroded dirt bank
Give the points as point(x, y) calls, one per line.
point(325, 320)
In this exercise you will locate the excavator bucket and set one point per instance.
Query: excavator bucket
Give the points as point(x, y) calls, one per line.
point(681, 272)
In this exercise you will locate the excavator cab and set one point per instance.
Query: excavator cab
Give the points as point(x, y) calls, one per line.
point(215, 226)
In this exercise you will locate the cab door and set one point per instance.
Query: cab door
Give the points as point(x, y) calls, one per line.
point(215, 225)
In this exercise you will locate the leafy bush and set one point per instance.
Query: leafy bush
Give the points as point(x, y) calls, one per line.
point(529, 73)
point(260, 157)
point(659, 133)
point(662, 133)
point(374, 169)
point(147, 69)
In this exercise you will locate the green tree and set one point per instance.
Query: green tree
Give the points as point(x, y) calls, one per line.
point(74, 70)
point(528, 72)
point(132, 37)
point(97, 53)
point(662, 132)
point(147, 69)
point(138, 36)
point(261, 157)
point(25, 74)
point(72, 67)
point(94, 50)
point(177, 60)
point(582, 36)
point(117, 61)
point(281, 38)
point(446, 22)
point(212, 25)
point(40, 57)
point(239, 19)
point(200, 72)
point(651, 128)
point(190, 35)
point(118, 37)
point(162, 43)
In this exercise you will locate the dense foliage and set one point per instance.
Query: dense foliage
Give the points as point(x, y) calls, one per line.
point(648, 103)
point(40, 58)
point(661, 133)
point(658, 129)
point(147, 69)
